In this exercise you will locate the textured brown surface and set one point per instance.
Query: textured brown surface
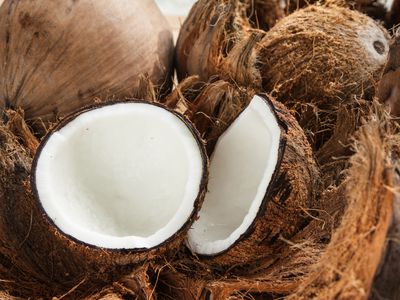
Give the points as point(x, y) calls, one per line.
point(57, 56)
point(217, 39)
point(305, 59)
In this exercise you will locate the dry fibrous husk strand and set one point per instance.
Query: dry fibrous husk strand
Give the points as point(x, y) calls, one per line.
point(386, 282)
point(41, 258)
point(211, 106)
point(57, 56)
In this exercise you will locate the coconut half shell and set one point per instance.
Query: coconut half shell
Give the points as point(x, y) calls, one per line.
point(213, 107)
point(45, 261)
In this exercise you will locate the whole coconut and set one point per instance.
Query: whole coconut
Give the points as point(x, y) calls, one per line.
point(57, 56)
point(325, 53)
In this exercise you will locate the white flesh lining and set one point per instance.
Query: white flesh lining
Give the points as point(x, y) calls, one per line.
point(123, 176)
point(241, 168)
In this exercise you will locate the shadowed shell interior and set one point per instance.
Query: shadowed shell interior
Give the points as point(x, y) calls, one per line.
point(242, 166)
point(121, 176)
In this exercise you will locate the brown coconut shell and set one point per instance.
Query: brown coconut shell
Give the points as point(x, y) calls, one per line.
point(57, 56)
point(292, 188)
point(37, 259)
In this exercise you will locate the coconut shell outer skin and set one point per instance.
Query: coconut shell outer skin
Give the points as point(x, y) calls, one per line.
point(290, 194)
point(42, 254)
point(303, 58)
point(57, 56)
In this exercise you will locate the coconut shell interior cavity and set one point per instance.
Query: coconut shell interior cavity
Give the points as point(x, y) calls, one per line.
point(120, 176)
point(237, 187)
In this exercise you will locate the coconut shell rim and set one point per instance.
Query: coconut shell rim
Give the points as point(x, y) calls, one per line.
point(196, 205)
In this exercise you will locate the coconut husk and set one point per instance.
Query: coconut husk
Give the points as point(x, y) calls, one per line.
point(264, 14)
point(137, 285)
point(313, 69)
point(372, 8)
point(326, 64)
point(386, 281)
point(217, 39)
point(346, 270)
point(57, 56)
point(298, 58)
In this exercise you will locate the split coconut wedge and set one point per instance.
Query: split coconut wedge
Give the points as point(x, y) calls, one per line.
point(121, 176)
point(262, 180)
point(57, 56)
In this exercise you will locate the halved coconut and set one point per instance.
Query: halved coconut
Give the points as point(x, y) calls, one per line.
point(111, 187)
point(262, 179)
point(121, 176)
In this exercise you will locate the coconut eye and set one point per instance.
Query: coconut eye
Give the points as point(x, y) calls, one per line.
point(379, 47)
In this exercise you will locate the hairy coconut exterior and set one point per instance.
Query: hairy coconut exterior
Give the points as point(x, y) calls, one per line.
point(313, 67)
point(332, 61)
point(36, 259)
point(57, 56)
point(346, 270)
point(217, 39)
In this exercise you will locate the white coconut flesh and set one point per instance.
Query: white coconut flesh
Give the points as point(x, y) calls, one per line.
point(123, 176)
point(241, 168)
